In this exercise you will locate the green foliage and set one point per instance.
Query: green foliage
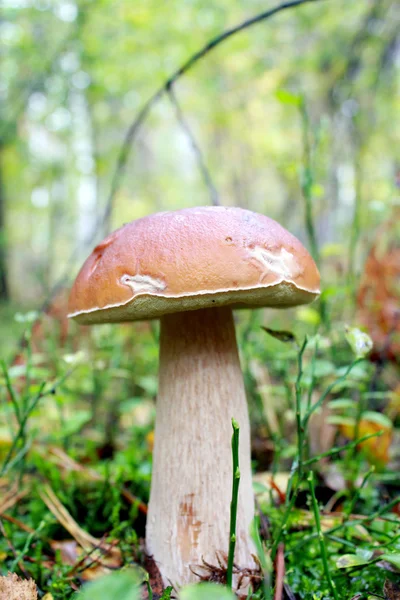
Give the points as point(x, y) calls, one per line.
point(124, 585)
point(206, 591)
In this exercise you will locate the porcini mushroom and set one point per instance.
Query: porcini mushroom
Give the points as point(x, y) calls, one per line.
point(190, 268)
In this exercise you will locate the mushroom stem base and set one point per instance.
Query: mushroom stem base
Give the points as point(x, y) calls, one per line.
point(200, 390)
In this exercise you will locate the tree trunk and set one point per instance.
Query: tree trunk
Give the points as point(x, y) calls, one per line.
point(4, 292)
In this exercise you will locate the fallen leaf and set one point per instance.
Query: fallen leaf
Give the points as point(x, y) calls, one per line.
point(393, 559)
point(348, 561)
point(376, 448)
point(391, 590)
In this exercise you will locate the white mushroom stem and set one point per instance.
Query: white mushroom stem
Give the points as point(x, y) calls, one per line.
point(200, 389)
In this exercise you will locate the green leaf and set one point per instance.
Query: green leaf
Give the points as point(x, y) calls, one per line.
point(206, 591)
point(359, 341)
point(341, 420)
point(287, 337)
point(28, 317)
point(393, 559)
point(124, 585)
point(347, 561)
point(365, 553)
point(308, 315)
point(342, 403)
point(286, 97)
point(166, 595)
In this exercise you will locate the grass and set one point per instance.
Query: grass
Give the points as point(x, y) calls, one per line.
point(75, 454)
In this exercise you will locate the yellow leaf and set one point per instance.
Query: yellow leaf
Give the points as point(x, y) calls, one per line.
point(376, 448)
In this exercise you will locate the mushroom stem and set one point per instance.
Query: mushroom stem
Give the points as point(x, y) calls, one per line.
point(200, 389)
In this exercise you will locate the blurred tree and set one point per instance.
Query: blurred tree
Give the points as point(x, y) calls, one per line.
point(4, 295)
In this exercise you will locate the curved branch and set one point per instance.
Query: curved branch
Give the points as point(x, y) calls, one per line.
point(205, 173)
point(182, 70)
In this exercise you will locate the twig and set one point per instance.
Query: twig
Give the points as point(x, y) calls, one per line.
point(308, 181)
point(142, 115)
point(195, 147)
point(375, 11)
point(328, 390)
point(300, 425)
point(280, 572)
point(297, 466)
point(41, 393)
point(234, 501)
point(356, 520)
point(338, 449)
point(24, 550)
point(18, 523)
point(11, 391)
point(13, 550)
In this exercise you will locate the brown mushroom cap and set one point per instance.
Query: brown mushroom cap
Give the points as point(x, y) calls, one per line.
point(191, 259)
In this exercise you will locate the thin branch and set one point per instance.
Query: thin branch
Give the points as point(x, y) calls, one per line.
point(378, 9)
point(17, 558)
point(280, 572)
point(196, 57)
point(195, 147)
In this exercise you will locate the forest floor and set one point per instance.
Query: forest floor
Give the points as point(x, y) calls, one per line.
point(77, 413)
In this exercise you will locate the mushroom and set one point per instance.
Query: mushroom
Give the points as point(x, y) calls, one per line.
point(190, 268)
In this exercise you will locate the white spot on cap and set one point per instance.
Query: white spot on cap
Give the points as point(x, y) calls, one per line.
point(281, 262)
point(143, 284)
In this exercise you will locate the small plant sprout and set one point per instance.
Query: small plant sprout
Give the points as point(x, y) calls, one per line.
point(234, 501)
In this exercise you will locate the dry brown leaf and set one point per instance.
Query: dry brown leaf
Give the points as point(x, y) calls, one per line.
point(10, 496)
point(391, 590)
point(378, 298)
point(13, 587)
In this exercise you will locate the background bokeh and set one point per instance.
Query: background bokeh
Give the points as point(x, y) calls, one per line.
point(295, 117)
point(303, 104)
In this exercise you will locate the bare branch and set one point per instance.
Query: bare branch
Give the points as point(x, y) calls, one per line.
point(195, 58)
point(196, 149)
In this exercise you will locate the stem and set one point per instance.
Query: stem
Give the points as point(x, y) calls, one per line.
point(300, 426)
point(234, 501)
point(200, 385)
point(307, 190)
point(297, 466)
point(321, 538)
point(338, 449)
point(328, 390)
